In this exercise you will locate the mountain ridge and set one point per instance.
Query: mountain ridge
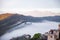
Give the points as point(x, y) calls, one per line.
point(6, 23)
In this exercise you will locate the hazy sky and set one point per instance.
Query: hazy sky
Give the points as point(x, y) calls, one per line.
point(25, 5)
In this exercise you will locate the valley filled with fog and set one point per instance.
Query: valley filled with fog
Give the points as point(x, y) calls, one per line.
point(30, 28)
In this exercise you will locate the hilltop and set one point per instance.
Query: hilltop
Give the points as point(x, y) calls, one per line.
point(5, 15)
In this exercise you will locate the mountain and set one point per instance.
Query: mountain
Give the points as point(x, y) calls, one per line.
point(41, 19)
point(12, 20)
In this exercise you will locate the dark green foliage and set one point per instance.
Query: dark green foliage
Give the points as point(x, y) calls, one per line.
point(36, 36)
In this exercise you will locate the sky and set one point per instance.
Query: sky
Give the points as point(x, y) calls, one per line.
point(28, 5)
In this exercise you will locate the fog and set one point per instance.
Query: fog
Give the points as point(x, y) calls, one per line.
point(30, 28)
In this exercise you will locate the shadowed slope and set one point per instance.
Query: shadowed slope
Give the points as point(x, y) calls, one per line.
point(10, 22)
